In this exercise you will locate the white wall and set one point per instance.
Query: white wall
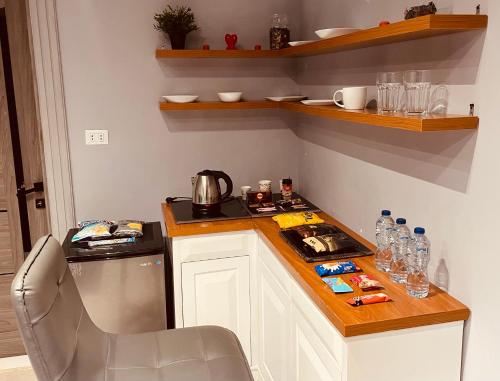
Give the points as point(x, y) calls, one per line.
point(113, 81)
point(446, 182)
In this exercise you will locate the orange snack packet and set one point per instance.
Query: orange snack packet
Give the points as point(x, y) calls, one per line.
point(368, 299)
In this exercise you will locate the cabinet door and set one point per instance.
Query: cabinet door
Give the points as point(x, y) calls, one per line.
point(217, 292)
point(312, 361)
point(274, 326)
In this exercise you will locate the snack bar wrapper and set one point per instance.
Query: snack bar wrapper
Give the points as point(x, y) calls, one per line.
point(366, 282)
point(336, 268)
point(337, 285)
point(369, 299)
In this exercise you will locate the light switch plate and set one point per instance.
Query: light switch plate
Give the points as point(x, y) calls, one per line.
point(93, 137)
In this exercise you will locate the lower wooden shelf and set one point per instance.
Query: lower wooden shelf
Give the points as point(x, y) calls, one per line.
point(245, 105)
point(399, 121)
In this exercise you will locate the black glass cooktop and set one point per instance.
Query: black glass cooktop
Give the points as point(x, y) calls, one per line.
point(230, 210)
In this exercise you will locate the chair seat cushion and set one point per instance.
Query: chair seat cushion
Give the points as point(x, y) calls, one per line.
point(199, 353)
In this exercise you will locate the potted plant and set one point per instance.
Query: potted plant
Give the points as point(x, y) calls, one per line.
point(177, 22)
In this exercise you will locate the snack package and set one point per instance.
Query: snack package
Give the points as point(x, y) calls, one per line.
point(93, 230)
point(336, 268)
point(106, 242)
point(366, 282)
point(368, 299)
point(338, 285)
point(128, 228)
point(290, 220)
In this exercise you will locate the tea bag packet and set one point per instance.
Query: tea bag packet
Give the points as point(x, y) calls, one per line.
point(366, 282)
point(336, 268)
point(322, 243)
point(338, 285)
point(368, 299)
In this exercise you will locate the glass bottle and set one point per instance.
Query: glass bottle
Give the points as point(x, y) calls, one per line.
point(279, 34)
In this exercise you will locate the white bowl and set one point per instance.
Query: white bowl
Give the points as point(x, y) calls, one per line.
point(180, 98)
point(233, 96)
point(335, 32)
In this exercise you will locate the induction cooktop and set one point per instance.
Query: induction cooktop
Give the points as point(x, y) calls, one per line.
point(232, 209)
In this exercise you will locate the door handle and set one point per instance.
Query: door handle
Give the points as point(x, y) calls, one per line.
point(37, 187)
point(3, 210)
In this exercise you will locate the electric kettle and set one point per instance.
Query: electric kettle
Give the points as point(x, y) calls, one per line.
point(207, 195)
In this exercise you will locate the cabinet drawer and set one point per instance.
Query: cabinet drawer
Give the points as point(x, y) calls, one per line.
point(214, 246)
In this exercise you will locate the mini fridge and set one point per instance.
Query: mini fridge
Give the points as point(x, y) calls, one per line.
point(124, 287)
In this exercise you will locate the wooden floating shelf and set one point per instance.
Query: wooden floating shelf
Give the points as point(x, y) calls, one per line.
point(399, 121)
point(407, 30)
point(246, 105)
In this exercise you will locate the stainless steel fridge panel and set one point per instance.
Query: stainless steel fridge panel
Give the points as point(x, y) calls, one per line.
point(124, 295)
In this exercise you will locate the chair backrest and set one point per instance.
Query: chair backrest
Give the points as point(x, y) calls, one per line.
point(59, 337)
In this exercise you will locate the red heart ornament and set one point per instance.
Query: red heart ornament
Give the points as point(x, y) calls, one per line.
point(231, 40)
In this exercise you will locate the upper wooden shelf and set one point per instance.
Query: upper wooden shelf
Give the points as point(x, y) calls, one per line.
point(413, 29)
point(400, 121)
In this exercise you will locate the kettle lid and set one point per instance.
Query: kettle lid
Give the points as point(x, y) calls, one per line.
point(206, 172)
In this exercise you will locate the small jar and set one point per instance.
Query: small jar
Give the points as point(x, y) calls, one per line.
point(279, 33)
point(286, 189)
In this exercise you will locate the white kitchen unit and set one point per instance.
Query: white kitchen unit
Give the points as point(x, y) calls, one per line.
point(238, 280)
point(212, 279)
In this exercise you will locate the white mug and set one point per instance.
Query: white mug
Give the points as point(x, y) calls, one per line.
point(354, 98)
point(244, 190)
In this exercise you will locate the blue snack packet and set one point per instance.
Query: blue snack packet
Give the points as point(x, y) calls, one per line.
point(336, 268)
point(337, 285)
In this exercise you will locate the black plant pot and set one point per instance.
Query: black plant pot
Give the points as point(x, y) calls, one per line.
point(177, 40)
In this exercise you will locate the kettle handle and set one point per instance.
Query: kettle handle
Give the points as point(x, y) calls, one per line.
point(227, 180)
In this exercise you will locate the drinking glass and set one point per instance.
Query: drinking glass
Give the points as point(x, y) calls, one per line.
point(389, 89)
point(417, 89)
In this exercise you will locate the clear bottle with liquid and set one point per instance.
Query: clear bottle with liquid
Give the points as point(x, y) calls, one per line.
point(400, 239)
point(383, 233)
point(417, 282)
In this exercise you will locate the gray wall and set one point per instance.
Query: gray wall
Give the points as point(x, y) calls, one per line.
point(113, 81)
point(446, 182)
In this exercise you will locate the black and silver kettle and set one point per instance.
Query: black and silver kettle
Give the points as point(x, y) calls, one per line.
point(207, 195)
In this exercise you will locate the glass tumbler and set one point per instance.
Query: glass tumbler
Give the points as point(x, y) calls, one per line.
point(389, 89)
point(417, 85)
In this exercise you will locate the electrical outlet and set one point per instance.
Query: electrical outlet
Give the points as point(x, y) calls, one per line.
point(93, 137)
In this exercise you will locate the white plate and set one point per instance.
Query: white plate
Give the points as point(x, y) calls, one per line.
point(180, 98)
point(289, 98)
point(335, 32)
point(318, 102)
point(298, 43)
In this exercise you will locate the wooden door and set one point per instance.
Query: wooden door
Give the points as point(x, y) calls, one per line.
point(26, 112)
point(217, 292)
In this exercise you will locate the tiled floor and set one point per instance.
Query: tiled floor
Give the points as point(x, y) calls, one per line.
point(16, 369)
point(17, 374)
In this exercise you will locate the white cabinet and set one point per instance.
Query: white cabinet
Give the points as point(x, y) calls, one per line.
point(312, 359)
point(217, 292)
point(274, 327)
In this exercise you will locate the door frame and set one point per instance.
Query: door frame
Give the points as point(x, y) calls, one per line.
point(44, 35)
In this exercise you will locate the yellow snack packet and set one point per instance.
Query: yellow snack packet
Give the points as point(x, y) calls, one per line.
point(290, 220)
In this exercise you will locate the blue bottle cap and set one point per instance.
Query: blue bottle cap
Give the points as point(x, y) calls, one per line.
point(401, 221)
point(386, 212)
point(419, 231)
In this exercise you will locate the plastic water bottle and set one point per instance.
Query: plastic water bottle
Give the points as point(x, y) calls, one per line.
point(400, 238)
point(383, 231)
point(417, 283)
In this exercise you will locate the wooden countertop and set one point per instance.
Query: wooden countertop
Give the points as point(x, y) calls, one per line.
point(403, 312)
